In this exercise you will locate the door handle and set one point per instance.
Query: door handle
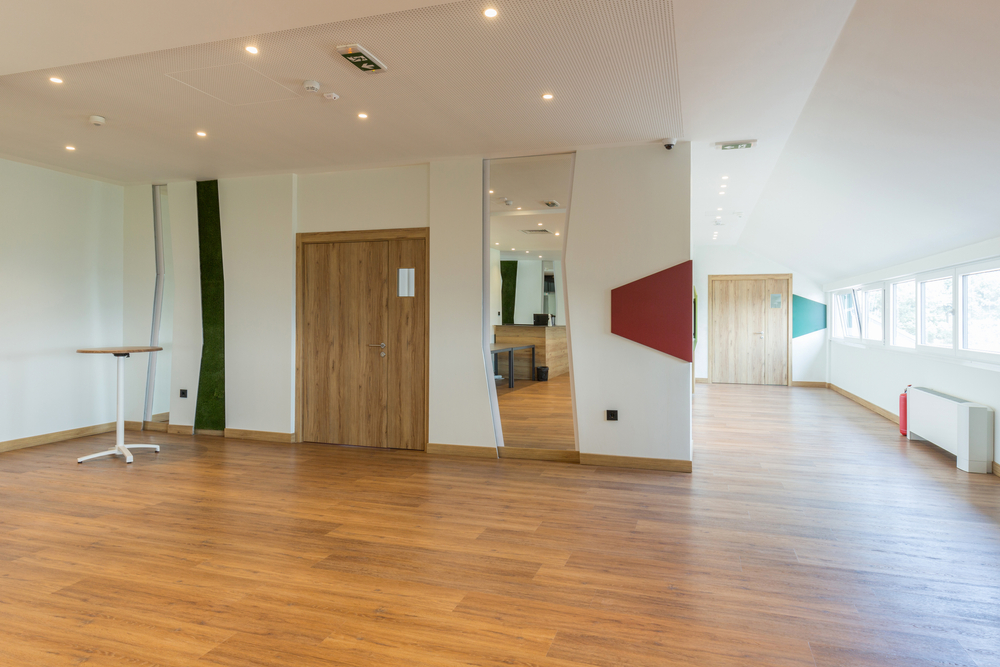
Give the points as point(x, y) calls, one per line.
point(376, 345)
point(759, 333)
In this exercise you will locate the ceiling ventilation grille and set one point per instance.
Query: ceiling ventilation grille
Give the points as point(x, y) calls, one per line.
point(536, 231)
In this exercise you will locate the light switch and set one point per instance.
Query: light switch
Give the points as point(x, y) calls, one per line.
point(406, 283)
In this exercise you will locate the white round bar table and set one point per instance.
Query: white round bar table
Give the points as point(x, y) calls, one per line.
point(121, 354)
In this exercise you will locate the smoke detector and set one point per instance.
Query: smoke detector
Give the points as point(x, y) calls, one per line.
point(331, 96)
point(97, 121)
point(311, 86)
point(508, 202)
point(551, 203)
point(361, 58)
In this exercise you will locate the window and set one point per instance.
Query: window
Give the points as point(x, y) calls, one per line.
point(847, 315)
point(981, 311)
point(904, 314)
point(873, 315)
point(936, 311)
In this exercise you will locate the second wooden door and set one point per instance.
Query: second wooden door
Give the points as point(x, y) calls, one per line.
point(363, 353)
point(749, 330)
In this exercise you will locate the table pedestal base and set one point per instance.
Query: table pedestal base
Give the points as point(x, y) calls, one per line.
point(120, 450)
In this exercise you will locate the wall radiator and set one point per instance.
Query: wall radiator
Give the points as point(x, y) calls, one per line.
point(965, 429)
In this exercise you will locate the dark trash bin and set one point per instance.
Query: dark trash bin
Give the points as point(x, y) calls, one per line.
point(542, 373)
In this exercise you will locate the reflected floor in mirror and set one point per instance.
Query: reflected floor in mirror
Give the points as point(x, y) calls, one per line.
point(537, 414)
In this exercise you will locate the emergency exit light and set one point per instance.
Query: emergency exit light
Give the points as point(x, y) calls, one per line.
point(736, 145)
point(358, 56)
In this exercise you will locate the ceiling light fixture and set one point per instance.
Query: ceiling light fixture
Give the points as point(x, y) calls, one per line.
point(539, 257)
point(362, 115)
point(540, 224)
point(496, 244)
point(202, 134)
point(251, 49)
point(526, 252)
point(718, 209)
point(518, 208)
point(55, 79)
point(490, 13)
point(724, 177)
point(722, 193)
point(491, 192)
point(547, 96)
point(71, 148)
point(557, 233)
point(513, 249)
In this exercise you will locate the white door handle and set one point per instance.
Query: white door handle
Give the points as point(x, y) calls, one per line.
point(759, 333)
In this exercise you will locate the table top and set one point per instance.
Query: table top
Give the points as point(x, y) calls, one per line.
point(500, 347)
point(118, 350)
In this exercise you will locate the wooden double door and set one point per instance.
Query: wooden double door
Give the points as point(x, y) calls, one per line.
point(750, 329)
point(363, 343)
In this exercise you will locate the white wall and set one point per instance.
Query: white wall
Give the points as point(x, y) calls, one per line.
point(366, 199)
point(61, 272)
point(879, 374)
point(646, 191)
point(528, 291)
point(460, 411)
point(496, 281)
point(258, 252)
point(808, 352)
point(560, 294)
point(185, 366)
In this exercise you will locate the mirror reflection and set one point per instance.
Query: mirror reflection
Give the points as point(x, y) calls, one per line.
point(529, 200)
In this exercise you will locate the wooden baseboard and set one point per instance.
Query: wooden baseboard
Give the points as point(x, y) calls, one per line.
point(862, 402)
point(805, 383)
point(536, 454)
point(133, 426)
point(159, 427)
point(180, 429)
point(702, 381)
point(161, 417)
point(996, 468)
point(264, 436)
point(672, 465)
point(58, 436)
point(462, 450)
point(209, 431)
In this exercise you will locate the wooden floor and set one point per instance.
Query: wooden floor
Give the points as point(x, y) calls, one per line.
point(810, 533)
point(538, 415)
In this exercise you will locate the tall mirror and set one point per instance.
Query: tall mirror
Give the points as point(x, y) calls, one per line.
point(157, 404)
point(529, 200)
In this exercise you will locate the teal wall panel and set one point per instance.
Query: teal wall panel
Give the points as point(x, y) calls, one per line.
point(807, 316)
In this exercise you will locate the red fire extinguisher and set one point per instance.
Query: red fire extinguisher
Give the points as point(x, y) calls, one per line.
point(902, 411)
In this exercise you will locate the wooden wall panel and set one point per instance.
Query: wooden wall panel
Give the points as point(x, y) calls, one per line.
point(406, 348)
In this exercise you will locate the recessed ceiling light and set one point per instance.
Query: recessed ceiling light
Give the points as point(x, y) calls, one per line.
point(251, 49)
point(362, 115)
point(491, 192)
point(525, 252)
point(718, 217)
point(513, 249)
point(539, 257)
point(540, 224)
point(557, 233)
point(724, 177)
point(496, 244)
point(202, 134)
point(547, 96)
point(71, 148)
point(723, 185)
point(55, 79)
point(490, 13)
point(718, 209)
point(722, 193)
point(518, 208)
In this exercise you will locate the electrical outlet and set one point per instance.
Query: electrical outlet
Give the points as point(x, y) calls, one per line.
point(612, 415)
point(184, 393)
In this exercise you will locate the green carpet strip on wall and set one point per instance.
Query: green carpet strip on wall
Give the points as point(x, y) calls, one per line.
point(508, 288)
point(210, 412)
point(807, 316)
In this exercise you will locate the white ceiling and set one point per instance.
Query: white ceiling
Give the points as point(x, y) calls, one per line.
point(457, 83)
point(871, 152)
point(895, 154)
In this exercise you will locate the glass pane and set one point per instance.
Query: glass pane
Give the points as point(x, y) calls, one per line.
point(904, 314)
point(982, 311)
point(936, 312)
point(873, 314)
point(849, 315)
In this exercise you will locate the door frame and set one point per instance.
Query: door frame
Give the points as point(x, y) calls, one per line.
point(749, 276)
point(307, 238)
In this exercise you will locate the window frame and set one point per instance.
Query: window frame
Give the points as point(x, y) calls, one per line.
point(838, 313)
point(863, 321)
point(929, 276)
point(890, 325)
point(960, 272)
